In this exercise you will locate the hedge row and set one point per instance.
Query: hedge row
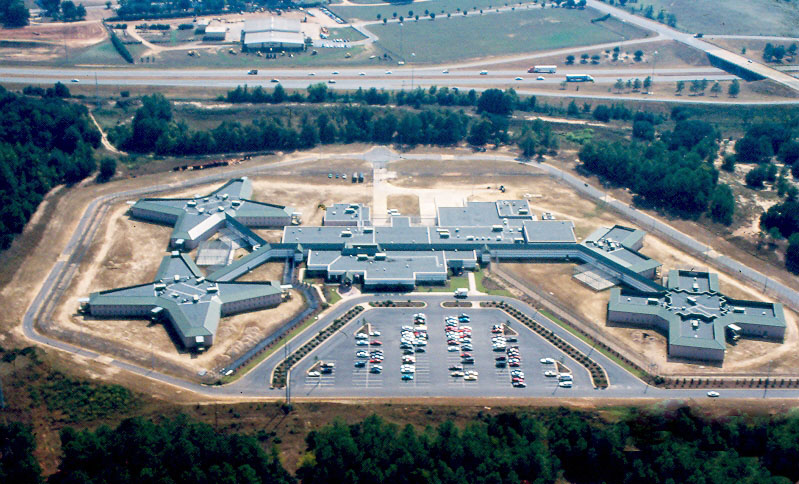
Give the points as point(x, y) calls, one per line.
point(388, 303)
point(598, 376)
point(120, 47)
point(279, 376)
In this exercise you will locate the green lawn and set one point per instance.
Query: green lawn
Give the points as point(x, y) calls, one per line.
point(452, 284)
point(349, 34)
point(752, 17)
point(446, 39)
point(437, 6)
point(478, 282)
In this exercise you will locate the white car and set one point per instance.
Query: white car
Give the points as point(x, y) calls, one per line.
point(445, 71)
point(539, 78)
point(74, 80)
point(361, 73)
point(565, 384)
point(311, 73)
point(452, 349)
point(374, 333)
point(456, 374)
point(335, 73)
point(519, 78)
point(547, 361)
point(314, 374)
point(362, 342)
point(483, 73)
point(713, 394)
point(550, 374)
point(361, 336)
point(274, 80)
point(388, 72)
point(470, 378)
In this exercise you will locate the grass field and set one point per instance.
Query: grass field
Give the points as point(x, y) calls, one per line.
point(446, 39)
point(437, 6)
point(349, 34)
point(221, 58)
point(752, 17)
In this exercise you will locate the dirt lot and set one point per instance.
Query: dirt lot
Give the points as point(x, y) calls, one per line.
point(405, 204)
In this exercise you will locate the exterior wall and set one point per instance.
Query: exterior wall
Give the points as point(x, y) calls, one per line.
point(265, 221)
point(650, 274)
point(273, 45)
point(340, 223)
point(117, 310)
point(637, 319)
point(761, 331)
point(153, 216)
point(251, 304)
point(693, 353)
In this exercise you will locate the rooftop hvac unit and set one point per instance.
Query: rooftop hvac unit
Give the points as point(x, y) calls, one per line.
point(346, 233)
point(177, 277)
point(192, 203)
point(195, 298)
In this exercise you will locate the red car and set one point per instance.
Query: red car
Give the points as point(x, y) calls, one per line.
point(376, 343)
point(514, 364)
point(466, 355)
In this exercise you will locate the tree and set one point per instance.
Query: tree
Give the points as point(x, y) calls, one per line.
point(789, 152)
point(17, 461)
point(495, 101)
point(638, 55)
point(680, 87)
point(572, 109)
point(480, 133)
point(569, 59)
point(528, 144)
point(68, 10)
point(80, 12)
point(734, 89)
point(643, 130)
point(637, 84)
point(716, 89)
point(722, 204)
point(756, 177)
point(728, 164)
point(108, 166)
point(792, 254)
point(647, 83)
point(619, 85)
point(602, 113)
point(13, 13)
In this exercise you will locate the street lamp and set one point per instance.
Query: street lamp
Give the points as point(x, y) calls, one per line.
point(413, 54)
point(654, 61)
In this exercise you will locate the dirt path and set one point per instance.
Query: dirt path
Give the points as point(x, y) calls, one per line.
point(104, 139)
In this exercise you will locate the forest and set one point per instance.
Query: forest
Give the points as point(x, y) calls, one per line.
point(153, 129)
point(44, 141)
point(541, 446)
point(674, 173)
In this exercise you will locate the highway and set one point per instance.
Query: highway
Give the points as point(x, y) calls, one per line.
point(255, 383)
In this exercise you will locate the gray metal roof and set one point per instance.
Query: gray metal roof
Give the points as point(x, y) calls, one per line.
point(549, 231)
point(271, 23)
point(273, 37)
point(347, 212)
point(476, 214)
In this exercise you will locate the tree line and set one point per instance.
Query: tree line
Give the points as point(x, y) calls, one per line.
point(153, 128)
point(674, 173)
point(542, 447)
point(43, 142)
point(13, 13)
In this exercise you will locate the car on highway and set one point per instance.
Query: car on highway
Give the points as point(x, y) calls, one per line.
point(74, 80)
point(311, 73)
point(445, 71)
point(252, 72)
point(519, 79)
point(361, 73)
point(274, 80)
point(335, 73)
point(713, 394)
point(331, 81)
point(540, 78)
point(330, 175)
point(483, 73)
point(388, 72)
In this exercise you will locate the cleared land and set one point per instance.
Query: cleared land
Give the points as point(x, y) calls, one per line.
point(752, 17)
point(447, 39)
point(406, 204)
point(555, 280)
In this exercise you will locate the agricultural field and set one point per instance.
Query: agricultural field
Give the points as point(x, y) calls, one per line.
point(731, 17)
point(446, 39)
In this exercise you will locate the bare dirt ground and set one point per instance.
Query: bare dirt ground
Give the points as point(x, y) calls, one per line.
point(405, 204)
point(75, 34)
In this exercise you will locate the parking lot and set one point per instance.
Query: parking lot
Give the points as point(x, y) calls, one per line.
point(430, 372)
